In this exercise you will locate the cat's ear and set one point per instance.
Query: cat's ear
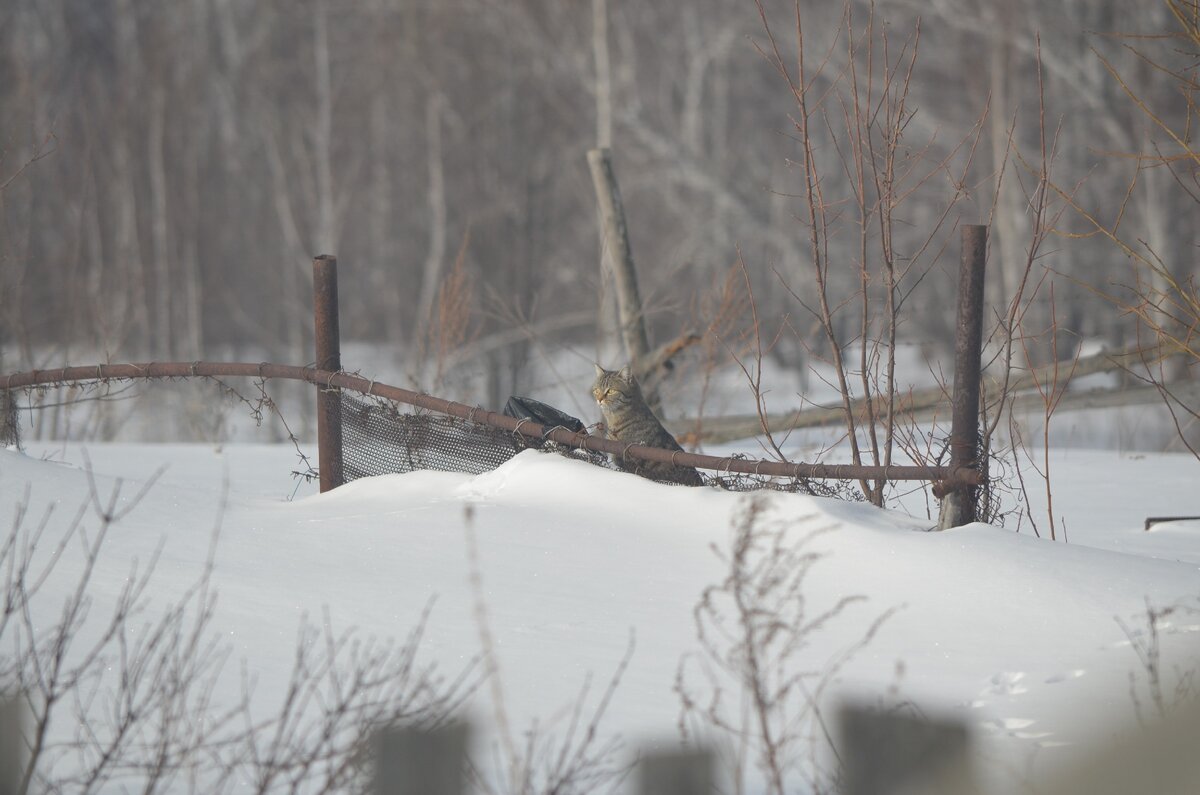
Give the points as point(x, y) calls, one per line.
point(599, 371)
point(627, 373)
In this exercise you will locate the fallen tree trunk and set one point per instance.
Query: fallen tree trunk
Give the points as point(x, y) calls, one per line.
point(926, 403)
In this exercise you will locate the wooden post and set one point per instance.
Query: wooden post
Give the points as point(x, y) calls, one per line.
point(329, 357)
point(891, 752)
point(411, 761)
point(12, 745)
point(10, 429)
point(676, 773)
point(959, 507)
point(620, 259)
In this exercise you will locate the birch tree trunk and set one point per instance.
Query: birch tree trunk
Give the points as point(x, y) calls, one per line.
point(431, 273)
point(1005, 238)
point(1160, 239)
point(606, 319)
point(134, 319)
point(603, 74)
point(620, 261)
point(160, 225)
point(326, 228)
point(380, 212)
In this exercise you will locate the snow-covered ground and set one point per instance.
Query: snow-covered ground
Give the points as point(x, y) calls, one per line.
point(1033, 642)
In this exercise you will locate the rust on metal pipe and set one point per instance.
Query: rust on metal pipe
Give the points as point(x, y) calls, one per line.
point(329, 358)
point(960, 505)
point(266, 370)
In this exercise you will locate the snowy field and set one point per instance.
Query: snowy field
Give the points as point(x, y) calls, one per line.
point(1035, 643)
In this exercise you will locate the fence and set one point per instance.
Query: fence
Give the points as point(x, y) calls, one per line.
point(327, 381)
point(955, 484)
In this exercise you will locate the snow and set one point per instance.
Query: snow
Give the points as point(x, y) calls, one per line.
point(1018, 634)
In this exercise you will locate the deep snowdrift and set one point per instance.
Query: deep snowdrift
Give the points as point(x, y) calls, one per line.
point(1019, 634)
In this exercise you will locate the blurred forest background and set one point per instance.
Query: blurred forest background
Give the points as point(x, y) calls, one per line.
point(170, 169)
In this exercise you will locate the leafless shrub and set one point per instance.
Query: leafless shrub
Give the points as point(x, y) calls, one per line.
point(749, 360)
point(721, 312)
point(341, 686)
point(452, 326)
point(754, 629)
point(1051, 391)
point(551, 759)
point(853, 101)
point(1165, 691)
point(1013, 331)
point(1163, 296)
point(563, 757)
point(129, 697)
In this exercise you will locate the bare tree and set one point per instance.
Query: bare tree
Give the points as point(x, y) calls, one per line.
point(206, 151)
point(754, 630)
point(1163, 295)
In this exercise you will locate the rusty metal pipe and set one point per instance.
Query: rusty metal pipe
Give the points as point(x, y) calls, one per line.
point(329, 358)
point(960, 506)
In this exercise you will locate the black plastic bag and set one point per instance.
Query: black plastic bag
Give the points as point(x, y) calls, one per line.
point(524, 408)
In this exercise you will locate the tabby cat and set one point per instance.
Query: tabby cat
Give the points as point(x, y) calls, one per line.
point(628, 419)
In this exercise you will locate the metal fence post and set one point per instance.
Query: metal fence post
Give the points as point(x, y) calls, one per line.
point(959, 506)
point(329, 357)
point(412, 761)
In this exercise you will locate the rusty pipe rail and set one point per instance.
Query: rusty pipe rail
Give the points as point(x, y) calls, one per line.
point(951, 478)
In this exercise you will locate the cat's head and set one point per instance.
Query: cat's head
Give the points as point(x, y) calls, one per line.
point(614, 387)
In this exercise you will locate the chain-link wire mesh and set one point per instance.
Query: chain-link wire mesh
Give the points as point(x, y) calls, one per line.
point(378, 439)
